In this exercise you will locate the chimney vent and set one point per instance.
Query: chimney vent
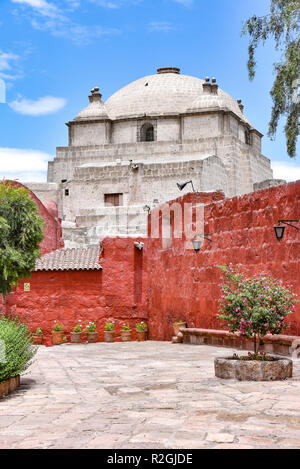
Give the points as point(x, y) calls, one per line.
point(168, 70)
point(214, 86)
point(241, 106)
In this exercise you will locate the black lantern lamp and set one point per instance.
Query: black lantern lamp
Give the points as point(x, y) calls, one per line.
point(197, 242)
point(181, 185)
point(279, 229)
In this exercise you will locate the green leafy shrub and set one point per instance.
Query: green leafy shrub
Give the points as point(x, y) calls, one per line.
point(39, 331)
point(58, 327)
point(126, 327)
point(19, 350)
point(21, 232)
point(91, 327)
point(77, 329)
point(109, 326)
point(141, 326)
point(254, 306)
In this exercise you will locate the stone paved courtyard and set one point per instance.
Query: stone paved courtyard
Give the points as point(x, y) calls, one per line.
point(145, 395)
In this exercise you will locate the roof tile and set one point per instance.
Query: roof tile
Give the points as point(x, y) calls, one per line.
point(70, 259)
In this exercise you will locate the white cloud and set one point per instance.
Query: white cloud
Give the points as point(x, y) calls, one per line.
point(161, 26)
point(43, 7)
point(40, 107)
point(46, 16)
point(24, 165)
point(289, 171)
point(186, 3)
point(113, 4)
point(6, 61)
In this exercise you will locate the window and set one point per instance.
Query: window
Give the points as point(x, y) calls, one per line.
point(147, 133)
point(247, 137)
point(67, 192)
point(150, 134)
point(113, 200)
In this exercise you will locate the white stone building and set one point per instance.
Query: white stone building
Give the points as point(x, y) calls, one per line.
point(133, 149)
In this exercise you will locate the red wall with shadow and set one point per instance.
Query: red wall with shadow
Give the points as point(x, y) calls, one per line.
point(185, 285)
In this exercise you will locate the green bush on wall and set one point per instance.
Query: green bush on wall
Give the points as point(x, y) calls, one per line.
point(18, 348)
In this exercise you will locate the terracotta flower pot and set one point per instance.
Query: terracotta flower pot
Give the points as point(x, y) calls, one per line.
point(13, 384)
point(92, 337)
point(75, 337)
point(37, 339)
point(4, 388)
point(109, 336)
point(57, 337)
point(141, 336)
point(177, 326)
point(126, 336)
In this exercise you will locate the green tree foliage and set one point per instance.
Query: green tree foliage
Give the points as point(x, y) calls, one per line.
point(282, 24)
point(18, 350)
point(254, 306)
point(21, 232)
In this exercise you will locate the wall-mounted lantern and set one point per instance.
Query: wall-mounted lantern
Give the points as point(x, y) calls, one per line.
point(279, 229)
point(139, 245)
point(181, 185)
point(197, 243)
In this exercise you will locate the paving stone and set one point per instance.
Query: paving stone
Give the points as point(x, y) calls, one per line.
point(139, 399)
point(220, 437)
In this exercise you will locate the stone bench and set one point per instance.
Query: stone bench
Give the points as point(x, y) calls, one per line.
point(280, 344)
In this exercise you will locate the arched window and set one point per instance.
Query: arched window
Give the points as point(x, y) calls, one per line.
point(147, 133)
point(150, 134)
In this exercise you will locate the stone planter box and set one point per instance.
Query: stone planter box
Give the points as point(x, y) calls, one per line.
point(141, 336)
point(254, 370)
point(109, 336)
point(75, 337)
point(92, 337)
point(37, 339)
point(126, 336)
point(8, 386)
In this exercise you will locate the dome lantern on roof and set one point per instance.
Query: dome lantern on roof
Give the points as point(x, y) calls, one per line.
point(95, 96)
point(95, 110)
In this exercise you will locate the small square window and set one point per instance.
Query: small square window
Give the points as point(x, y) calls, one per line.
point(113, 200)
point(67, 192)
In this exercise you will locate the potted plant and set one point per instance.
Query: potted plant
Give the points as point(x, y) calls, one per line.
point(141, 331)
point(252, 307)
point(109, 332)
point(92, 334)
point(178, 325)
point(57, 333)
point(126, 333)
point(37, 337)
point(76, 334)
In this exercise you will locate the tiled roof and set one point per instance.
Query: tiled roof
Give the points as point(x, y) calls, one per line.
point(70, 259)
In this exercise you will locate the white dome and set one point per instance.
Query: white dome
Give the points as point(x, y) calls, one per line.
point(166, 93)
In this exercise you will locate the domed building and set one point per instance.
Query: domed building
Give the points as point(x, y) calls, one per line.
point(129, 153)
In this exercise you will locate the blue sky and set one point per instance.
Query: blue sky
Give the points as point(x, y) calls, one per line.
point(52, 52)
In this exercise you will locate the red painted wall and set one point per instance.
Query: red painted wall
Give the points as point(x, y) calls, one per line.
point(185, 285)
point(117, 292)
point(159, 285)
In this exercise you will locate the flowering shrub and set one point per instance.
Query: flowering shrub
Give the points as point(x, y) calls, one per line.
point(109, 326)
point(77, 328)
point(141, 326)
point(39, 331)
point(90, 327)
point(254, 306)
point(126, 327)
point(58, 327)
